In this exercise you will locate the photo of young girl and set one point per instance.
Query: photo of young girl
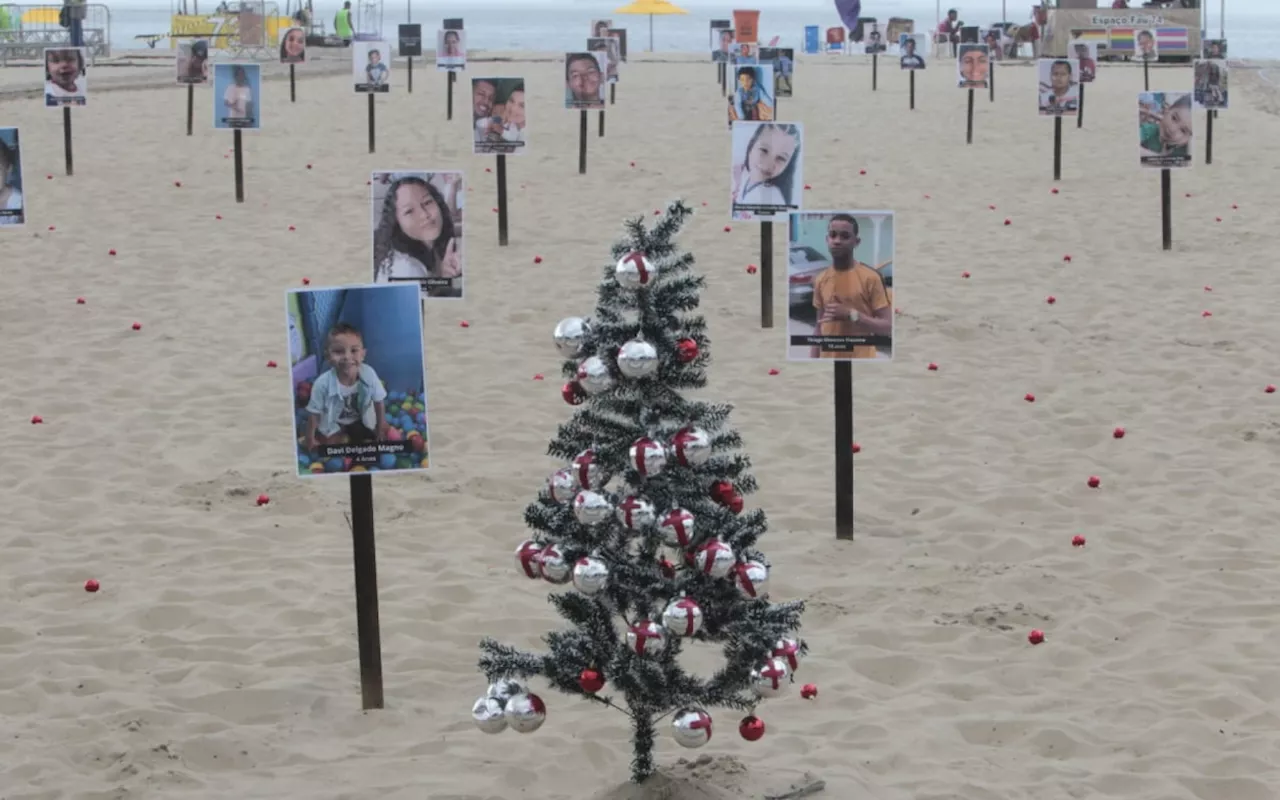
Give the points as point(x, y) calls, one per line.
point(767, 179)
point(1164, 129)
point(65, 83)
point(293, 47)
point(451, 50)
point(236, 89)
point(417, 230)
point(193, 61)
point(357, 379)
point(12, 208)
point(752, 97)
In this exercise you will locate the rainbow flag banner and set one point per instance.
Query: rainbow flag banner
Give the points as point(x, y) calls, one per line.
point(1172, 39)
point(1120, 39)
point(1098, 35)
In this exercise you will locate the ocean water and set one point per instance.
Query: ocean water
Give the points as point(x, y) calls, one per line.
point(1252, 28)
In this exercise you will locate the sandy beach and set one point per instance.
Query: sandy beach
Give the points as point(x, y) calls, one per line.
point(219, 658)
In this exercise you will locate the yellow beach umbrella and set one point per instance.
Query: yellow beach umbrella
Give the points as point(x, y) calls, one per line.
point(650, 7)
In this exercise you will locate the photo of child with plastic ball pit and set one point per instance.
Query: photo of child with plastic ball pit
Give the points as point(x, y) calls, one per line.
point(357, 379)
point(840, 285)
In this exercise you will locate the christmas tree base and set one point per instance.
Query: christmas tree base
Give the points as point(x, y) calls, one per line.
point(709, 777)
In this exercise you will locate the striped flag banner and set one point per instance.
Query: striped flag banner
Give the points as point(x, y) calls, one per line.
point(1172, 39)
point(1098, 35)
point(1121, 39)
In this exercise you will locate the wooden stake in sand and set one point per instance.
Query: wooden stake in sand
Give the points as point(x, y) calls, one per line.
point(912, 78)
point(372, 124)
point(502, 198)
point(1080, 113)
point(875, 70)
point(843, 395)
point(766, 274)
point(368, 629)
point(66, 138)
point(582, 141)
point(293, 86)
point(1208, 135)
point(238, 146)
point(191, 106)
point(968, 136)
point(1057, 148)
point(1166, 208)
point(448, 97)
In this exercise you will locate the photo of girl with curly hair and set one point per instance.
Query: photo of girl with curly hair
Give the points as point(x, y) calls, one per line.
point(417, 230)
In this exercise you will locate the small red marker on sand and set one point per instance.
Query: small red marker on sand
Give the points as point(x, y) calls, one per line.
point(1188, 194)
point(727, 229)
point(809, 691)
point(1067, 258)
point(1118, 433)
point(773, 371)
point(80, 301)
point(308, 166)
point(292, 228)
point(137, 326)
point(1234, 206)
point(111, 252)
point(91, 586)
point(857, 448)
point(1029, 397)
point(1271, 388)
point(1077, 541)
point(633, 164)
point(178, 184)
point(862, 172)
point(495, 209)
point(486, 169)
point(464, 324)
point(1206, 313)
point(964, 274)
point(537, 259)
point(1051, 299)
point(1008, 221)
point(263, 499)
point(704, 203)
point(538, 377)
point(751, 269)
point(993, 208)
point(933, 367)
point(928, 197)
point(271, 365)
point(1094, 481)
point(1208, 288)
point(37, 420)
point(807, 187)
point(1054, 190)
point(52, 228)
point(306, 281)
point(1036, 636)
point(217, 216)
point(48, 177)
point(1217, 219)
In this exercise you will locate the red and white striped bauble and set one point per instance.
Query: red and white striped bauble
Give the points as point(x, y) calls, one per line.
point(676, 528)
point(648, 457)
point(691, 447)
point(770, 679)
point(646, 638)
point(562, 486)
point(715, 558)
point(682, 617)
point(553, 565)
point(528, 559)
point(586, 470)
point(752, 579)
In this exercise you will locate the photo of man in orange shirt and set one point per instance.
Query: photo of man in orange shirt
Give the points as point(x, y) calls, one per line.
point(839, 306)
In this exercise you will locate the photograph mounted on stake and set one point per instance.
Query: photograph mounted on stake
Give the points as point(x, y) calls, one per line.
point(645, 526)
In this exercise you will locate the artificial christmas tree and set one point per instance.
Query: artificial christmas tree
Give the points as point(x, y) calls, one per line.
point(646, 520)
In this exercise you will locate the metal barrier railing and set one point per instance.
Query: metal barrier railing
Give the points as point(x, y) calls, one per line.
point(26, 30)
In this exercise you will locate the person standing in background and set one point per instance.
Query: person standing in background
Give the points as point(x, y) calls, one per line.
point(75, 11)
point(342, 23)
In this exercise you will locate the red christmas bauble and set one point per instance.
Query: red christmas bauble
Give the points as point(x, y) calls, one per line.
point(573, 394)
point(751, 728)
point(720, 490)
point(686, 350)
point(591, 681)
point(734, 503)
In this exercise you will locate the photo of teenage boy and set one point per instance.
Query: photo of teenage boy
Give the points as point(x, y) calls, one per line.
point(1059, 93)
point(1146, 46)
point(910, 58)
point(1164, 129)
point(12, 208)
point(751, 99)
point(767, 172)
point(1214, 48)
point(370, 67)
point(236, 89)
point(839, 305)
point(193, 61)
point(417, 230)
point(293, 47)
point(1210, 88)
point(1086, 54)
point(723, 49)
point(357, 379)
point(498, 116)
point(584, 80)
point(875, 42)
point(65, 82)
point(451, 50)
point(973, 64)
point(608, 47)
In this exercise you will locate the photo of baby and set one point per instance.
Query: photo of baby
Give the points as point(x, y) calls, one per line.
point(12, 208)
point(752, 97)
point(236, 89)
point(498, 116)
point(1164, 129)
point(65, 83)
point(451, 50)
point(193, 61)
point(357, 379)
point(584, 80)
point(417, 230)
point(1210, 88)
point(371, 66)
point(840, 285)
point(1059, 92)
point(767, 170)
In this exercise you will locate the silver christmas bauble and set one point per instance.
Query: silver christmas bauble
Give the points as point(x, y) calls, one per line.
point(770, 679)
point(586, 470)
point(487, 713)
point(590, 575)
point(591, 508)
point(788, 650)
point(555, 567)
point(504, 689)
point(691, 447)
point(525, 713)
point(562, 485)
point(752, 579)
point(636, 513)
point(634, 271)
point(682, 617)
point(528, 556)
point(593, 375)
point(646, 638)
point(647, 456)
point(676, 528)
point(691, 727)
point(570, 335)
point(715, 558)
point(637, 359)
